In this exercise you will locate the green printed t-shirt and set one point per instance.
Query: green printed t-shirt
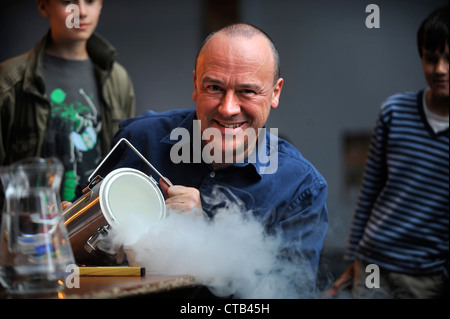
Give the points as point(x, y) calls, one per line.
point(73, 129)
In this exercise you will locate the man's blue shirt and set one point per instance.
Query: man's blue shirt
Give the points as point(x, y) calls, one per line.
point(288, 198)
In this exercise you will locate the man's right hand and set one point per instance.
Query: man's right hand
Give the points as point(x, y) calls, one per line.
point(181, 198)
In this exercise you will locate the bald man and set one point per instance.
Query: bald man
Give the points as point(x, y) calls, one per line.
point(221, 152)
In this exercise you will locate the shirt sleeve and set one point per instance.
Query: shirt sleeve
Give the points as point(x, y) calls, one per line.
point(303, 234)
point(374, 179)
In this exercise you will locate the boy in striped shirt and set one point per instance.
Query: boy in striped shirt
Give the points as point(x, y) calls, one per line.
point(401, 222)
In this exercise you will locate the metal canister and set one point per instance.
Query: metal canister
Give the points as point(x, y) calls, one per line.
point(107, 203)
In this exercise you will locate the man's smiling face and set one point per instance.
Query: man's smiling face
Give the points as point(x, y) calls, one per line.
point(234, 88)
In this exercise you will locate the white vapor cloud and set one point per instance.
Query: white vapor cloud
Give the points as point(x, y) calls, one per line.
point(230, 254)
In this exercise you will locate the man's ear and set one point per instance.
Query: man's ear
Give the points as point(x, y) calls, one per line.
point(277, 93)
point(43, 8)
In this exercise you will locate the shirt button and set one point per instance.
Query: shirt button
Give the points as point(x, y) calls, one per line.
point(212, 174)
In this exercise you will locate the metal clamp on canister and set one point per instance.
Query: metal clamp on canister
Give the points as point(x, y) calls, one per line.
point(92, 183)
point(95, 239)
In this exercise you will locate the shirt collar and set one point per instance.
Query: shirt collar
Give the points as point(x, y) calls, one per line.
point(259, 161)
point(186, 123)
point(101, 52)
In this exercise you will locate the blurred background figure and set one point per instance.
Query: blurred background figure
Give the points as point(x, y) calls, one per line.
point(66, 96)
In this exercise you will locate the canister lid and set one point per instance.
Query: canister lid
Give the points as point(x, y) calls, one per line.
point(127, 191)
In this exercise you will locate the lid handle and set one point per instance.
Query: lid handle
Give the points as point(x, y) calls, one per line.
point(137, 153)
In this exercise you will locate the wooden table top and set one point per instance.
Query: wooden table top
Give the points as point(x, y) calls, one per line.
point(120, 287)
point(114, 287)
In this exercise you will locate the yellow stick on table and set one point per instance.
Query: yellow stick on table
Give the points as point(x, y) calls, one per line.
point(112, 271)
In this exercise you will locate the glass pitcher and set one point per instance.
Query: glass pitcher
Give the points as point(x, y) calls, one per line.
point(34, 246)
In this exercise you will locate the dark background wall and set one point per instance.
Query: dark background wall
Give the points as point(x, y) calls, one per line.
point(337, 71)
